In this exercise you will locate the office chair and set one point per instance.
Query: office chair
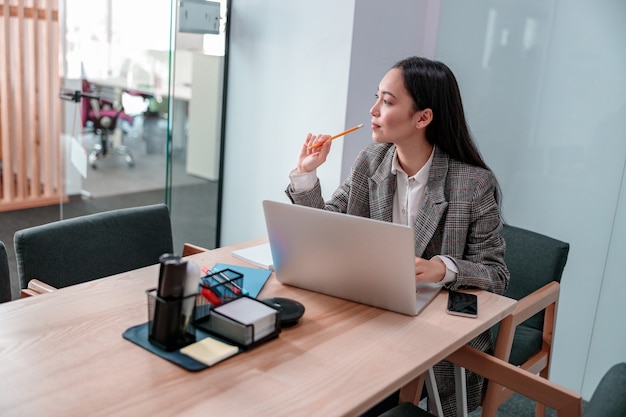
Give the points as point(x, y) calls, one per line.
point(85, 248)
point(101, 116)
point(608, 399)
point(524, 338)
point(566, 403)
point(5, 278)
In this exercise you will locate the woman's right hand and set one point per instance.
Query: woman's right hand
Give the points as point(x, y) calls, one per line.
point(310, 159)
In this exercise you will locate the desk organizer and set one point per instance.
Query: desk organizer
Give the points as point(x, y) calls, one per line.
point(174, 323)
point(220, 287)
point(232, 315)
point(139, 335)
point(244, 321)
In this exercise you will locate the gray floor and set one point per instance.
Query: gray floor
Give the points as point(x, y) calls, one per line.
point(113, 176)
point(516, 406)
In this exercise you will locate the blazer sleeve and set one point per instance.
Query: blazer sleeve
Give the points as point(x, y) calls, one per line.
point(482, 262)
point(313, 197)
point(353, 195)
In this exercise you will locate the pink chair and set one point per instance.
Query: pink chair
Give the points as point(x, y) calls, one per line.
point(101, 116)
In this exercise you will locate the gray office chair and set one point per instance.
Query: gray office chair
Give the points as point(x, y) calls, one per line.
point(524, 338)
point(608, 399)
point(5, 281)
point(85, 248)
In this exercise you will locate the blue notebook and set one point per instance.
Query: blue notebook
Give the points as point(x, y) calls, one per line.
point(253, 278)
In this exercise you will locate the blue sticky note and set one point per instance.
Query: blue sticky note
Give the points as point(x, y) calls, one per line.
point(253, 278)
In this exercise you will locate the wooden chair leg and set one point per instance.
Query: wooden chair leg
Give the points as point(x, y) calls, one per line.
point(540, 409)
point(412, 392)
point(491, 400)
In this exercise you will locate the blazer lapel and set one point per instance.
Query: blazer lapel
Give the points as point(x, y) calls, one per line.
point(382, 187)
point(434, 203)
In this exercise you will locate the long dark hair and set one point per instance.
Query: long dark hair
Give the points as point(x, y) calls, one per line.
point(432, 85)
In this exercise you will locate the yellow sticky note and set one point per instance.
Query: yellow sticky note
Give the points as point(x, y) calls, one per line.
point(210, 351)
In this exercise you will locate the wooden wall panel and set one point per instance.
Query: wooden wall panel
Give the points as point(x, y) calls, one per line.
point(30, 111)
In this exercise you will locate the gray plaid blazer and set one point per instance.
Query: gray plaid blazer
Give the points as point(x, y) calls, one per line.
point(459, 217)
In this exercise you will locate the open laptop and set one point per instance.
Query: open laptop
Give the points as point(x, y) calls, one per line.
point(359, 259)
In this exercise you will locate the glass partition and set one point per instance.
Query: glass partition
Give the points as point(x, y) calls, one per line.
point(197, 79)
point(146, 127)
point(109, 104)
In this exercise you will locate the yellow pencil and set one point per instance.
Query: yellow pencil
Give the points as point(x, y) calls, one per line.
point(345, 132)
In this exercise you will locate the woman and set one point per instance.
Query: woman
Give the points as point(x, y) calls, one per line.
point(424, 170)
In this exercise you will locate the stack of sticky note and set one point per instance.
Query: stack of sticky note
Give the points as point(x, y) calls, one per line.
point(210, 351)
point(244, 320)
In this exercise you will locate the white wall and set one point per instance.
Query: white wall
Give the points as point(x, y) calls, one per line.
point(298, 67)
point(381, 36)
point(205, 116)
point(288, 75)
point(543, 85)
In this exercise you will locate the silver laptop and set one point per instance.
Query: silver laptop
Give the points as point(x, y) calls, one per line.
point(355, 258)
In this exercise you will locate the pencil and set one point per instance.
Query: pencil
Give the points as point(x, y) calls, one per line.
point(345, 132)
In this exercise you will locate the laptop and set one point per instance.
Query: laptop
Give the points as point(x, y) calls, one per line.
point(355, 258)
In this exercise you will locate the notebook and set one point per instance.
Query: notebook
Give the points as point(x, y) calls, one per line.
point(259, 255)
point(355, 258)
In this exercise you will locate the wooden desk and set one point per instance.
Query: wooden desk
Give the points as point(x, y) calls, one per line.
point(62, 354)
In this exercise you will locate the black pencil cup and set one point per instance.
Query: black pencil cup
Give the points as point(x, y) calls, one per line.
point(169, 321)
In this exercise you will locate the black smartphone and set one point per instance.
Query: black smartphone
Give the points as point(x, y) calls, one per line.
point(462, 304)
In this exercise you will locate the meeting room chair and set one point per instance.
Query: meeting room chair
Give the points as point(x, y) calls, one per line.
point(80, 249)
point(5, 278)
point(607, 400)
point(524, 338)
point(565, 402)
point(609, 397)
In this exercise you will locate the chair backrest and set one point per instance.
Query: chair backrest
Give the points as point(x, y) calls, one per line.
point(85, 248)
point(536, 264)
point(5, 282)
point(533, 261)
point(608, 399)
point(98, 109)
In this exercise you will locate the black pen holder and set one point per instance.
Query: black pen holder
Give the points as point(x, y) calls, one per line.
point(170, 320)
point(221, 287)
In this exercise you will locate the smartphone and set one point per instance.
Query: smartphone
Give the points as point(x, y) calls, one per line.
point(462, 304)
